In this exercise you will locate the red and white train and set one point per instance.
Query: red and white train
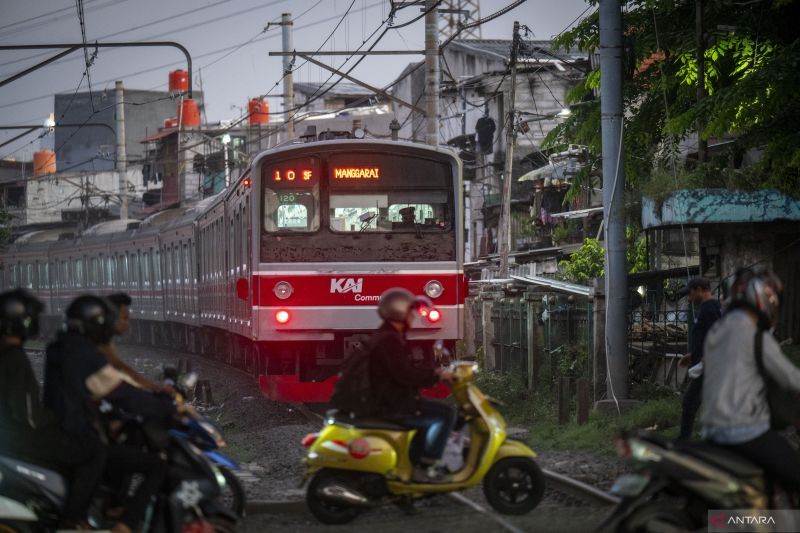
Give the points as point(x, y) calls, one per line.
point(281, 273)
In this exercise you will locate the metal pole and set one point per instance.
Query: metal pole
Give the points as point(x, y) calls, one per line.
point(504, 235)
point(431, 72)
point(616, 280)
point(122, 156)
point(288, 82)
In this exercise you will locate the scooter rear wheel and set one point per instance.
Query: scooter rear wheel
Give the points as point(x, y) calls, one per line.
point(326, 511)
point(514, 485)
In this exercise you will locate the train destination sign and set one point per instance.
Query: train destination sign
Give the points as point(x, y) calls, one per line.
point(360, 173)
point(292, 175)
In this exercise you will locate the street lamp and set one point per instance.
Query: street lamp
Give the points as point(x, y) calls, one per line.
point(226, 140)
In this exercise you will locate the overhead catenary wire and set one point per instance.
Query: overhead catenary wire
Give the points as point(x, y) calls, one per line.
point(211, 53)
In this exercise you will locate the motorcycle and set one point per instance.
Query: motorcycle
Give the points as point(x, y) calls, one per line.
point(32, 496)
point(675, 484)
point(201, 432)
point(357, 464)
point(204, 434)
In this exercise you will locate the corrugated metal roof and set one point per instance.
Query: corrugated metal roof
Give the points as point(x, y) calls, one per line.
point(540, 50)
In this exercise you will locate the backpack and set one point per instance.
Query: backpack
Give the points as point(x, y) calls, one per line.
point(352, 394)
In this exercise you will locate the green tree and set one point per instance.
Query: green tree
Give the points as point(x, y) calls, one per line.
point(752, 63)
point(588, 261)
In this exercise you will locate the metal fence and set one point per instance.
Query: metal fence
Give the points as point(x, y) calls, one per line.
point(563, 333)
point(658, 330)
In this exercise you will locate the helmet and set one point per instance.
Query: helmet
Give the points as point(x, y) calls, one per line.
point(397, 303)
point(93, 317)
point(19, 314)
point(759, 291)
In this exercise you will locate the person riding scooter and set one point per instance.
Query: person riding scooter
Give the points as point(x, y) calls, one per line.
point(122, 302)
point(395, 381)
point(736, 411)
point(28, 430)
point(78, 376)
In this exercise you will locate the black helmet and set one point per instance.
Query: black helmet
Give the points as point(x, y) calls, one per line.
point(19, 314)
point(92, 317)
point(395, 304)
point(759, 291)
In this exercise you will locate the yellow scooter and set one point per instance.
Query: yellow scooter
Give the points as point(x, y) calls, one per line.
point(356, 464)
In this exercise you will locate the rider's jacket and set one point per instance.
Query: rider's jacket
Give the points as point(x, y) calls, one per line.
point(21, 411)
point(735, 407)
point(77, 376)
point(395, 381)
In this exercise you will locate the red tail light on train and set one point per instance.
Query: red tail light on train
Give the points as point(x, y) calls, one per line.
point(282, 316)
point(434, 315)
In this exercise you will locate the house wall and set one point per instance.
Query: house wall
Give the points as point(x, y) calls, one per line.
point(75, 147)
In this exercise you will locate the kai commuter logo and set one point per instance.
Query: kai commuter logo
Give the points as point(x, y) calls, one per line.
point(345, 285)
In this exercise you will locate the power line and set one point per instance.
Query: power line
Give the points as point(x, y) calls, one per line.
point(173, 63)
point(25, 25)
point(87, 62)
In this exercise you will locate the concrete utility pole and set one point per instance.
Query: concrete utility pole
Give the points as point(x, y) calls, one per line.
point(288, 78)
point(504, 235)
point(432, 72)
point(122, 156)
point(702, 144)
point(616, 281)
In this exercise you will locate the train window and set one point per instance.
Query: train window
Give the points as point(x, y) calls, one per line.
point(157, 267)
point(146, 270)
point(79, 273)
point(134, 266)
point(28, 276)
point(390, 211)
point(187, 273)
point(245, 236)
point(124, 276)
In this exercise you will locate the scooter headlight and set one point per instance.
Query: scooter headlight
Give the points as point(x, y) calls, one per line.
point(642, 452)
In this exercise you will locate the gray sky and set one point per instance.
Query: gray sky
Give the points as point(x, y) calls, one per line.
point(205, 28)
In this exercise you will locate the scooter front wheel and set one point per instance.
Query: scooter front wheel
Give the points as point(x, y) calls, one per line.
point(323, 509)
point(514, 485)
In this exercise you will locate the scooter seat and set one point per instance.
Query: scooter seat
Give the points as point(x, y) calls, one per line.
point(51, 481)
point(723, 458)
point(365, 423)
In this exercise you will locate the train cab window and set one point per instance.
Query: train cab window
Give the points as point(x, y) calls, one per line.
point(291, 196)
point(392, 211)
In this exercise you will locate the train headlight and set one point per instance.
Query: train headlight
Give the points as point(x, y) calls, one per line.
point(434, 289)
point(434, 315)
point(282, 316)
point(283, 289)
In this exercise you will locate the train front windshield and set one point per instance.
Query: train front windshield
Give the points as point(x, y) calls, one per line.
point(358, 207)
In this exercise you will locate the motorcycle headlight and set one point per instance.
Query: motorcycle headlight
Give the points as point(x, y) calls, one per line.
point(641, 452)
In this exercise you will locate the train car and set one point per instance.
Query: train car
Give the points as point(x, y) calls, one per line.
point(279, 275)
point(336, 224)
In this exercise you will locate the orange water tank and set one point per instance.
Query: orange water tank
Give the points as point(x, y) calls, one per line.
point(178, 80)
point(189, 113)
point(44, 162)
point(258, 111)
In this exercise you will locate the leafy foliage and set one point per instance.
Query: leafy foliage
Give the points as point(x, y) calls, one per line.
point(588, 261)
point(752, 72)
